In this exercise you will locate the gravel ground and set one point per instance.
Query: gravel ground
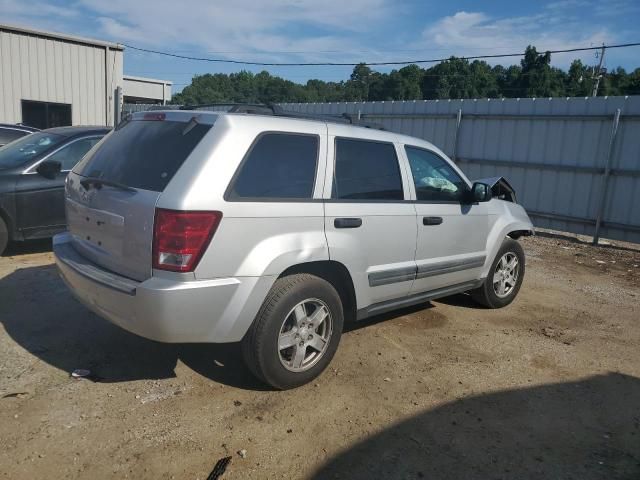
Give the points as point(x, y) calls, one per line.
point(548, 387)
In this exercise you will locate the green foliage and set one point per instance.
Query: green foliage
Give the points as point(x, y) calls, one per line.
point(452, 78)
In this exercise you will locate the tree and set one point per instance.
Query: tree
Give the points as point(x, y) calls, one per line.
point(579, 80)
point(537, 78)
point(452, 78)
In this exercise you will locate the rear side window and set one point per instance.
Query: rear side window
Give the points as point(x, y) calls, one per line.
point(143, 154)
point(278, 166)
point(366, 170)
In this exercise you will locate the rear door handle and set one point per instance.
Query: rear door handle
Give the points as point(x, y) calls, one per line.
point(431, 220)
point(347, 222)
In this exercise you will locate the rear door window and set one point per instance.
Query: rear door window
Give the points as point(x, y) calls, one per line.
point(143, 154)
point(278, 166)
point(8, 135)
point(366, 170)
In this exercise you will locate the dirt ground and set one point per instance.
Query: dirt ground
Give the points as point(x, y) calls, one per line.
point(546, 388)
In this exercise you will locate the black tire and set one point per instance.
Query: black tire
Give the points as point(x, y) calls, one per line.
point(486, 294)
point(4, 236)
point(260, 344)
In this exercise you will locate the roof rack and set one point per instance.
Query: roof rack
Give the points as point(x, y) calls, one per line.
point(278, 111)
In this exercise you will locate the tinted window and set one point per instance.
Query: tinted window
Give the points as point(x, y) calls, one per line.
point(71, 154)
point(366, 170)
point(433, 177)
point(278, 166)
point(143, 154)
point(9, 135)
point(27, 148)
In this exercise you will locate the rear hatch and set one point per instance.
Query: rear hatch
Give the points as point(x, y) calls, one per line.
point(112, 193)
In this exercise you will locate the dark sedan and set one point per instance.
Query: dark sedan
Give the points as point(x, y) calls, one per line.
point(32, 174)
point(9, 133)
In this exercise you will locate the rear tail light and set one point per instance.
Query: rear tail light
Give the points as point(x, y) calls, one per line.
point(180, 238)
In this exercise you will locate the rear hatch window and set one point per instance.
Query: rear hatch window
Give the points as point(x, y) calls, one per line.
point(143, 154)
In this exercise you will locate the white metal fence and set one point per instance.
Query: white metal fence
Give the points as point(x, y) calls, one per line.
point(574, 162)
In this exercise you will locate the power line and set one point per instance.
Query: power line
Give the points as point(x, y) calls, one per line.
point(347, 64)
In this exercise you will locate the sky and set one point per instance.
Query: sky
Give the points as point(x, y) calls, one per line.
point(334, 31)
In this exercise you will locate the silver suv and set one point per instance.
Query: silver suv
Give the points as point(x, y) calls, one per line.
point(272, 231)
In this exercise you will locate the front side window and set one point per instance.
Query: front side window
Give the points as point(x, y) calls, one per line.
point(278, 166)
point(21, 151)
point(71, 154)
point(433, 177)
point(366, 170)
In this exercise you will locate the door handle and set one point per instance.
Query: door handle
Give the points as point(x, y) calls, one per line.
point(347, 222)
point(431, 220)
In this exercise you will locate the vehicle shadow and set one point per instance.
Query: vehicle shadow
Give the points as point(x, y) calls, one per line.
point(582, 430)
point(30, 246)
point(39, 313)
point(461, 300)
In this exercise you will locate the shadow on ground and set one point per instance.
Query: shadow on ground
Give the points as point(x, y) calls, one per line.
point(40, 314)
point(584, 430)
point(31, 246)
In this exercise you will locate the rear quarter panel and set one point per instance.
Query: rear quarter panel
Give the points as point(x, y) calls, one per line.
point(254, 238)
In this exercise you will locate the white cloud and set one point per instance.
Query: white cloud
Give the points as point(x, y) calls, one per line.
point(233, 26)
point(477, 33)
point(17, 8)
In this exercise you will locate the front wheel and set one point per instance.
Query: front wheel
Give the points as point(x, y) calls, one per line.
point(296, 332)
point(505, 277)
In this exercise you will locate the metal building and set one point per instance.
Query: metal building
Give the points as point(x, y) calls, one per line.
point(51, 79)
point(146, 90)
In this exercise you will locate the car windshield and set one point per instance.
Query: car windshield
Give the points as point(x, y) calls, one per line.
point(20, 151)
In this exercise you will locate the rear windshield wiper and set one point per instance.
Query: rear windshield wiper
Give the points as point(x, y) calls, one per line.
point(98, 183)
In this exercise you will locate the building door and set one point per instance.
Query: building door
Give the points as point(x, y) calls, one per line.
point(45, 114)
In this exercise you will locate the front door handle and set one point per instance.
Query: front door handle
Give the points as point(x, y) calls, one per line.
point(347, 222)
point(431, 220)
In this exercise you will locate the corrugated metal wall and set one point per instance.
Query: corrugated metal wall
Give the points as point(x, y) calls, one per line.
point(34, 67)
point(553, 151)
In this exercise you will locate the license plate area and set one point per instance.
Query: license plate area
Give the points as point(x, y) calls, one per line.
point(96, 228)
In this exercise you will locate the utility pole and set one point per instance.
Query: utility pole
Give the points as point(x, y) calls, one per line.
point(598, 74)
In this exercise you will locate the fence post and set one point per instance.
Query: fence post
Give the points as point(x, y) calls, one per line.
point(455, 135)
point(605, 177)
point(117, 107)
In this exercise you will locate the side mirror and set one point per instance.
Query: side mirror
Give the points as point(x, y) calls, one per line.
point(480, 192)
point(49, 169)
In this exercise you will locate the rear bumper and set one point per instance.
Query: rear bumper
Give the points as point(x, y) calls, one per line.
point(167, 310)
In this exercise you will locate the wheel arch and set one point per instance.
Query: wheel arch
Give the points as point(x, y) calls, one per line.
point(337, 275)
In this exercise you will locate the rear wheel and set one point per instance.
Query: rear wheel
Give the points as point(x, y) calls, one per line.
point(4, 236)
point(505, 277)
point(296, 332)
